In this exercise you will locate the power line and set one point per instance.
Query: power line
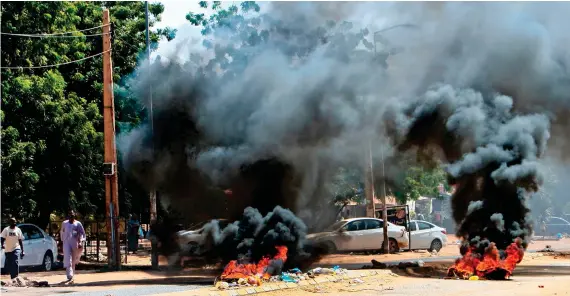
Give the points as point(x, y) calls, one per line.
point(57, 65)
point(127, 43)
point(54, 34)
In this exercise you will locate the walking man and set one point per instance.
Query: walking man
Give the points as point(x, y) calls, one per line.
point(72, 236)
point(12, 238)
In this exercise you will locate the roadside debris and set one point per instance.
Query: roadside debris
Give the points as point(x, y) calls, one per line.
point(548, 248)
point(294, 275)
point(24, 282)
point(401, 265)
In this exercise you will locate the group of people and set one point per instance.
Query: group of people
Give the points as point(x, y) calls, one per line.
point(72, 238)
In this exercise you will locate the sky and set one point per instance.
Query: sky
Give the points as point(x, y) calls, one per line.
point(188, 37)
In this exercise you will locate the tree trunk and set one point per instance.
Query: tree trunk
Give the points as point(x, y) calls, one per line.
point(341, 208)
point(43, 220)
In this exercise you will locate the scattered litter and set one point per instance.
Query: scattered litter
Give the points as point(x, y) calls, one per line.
point(357, 281)
point(474, 278)
point(541, 286)
point(288, 279)
point(222, 285)
point(320, 270)
point(421, 263)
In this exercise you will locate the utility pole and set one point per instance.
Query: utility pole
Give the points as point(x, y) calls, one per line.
point(152, 193)
point(110, 156)
point(369, 184)
point(386, 240)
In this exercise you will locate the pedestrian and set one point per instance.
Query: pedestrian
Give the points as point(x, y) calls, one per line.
point(12, 238)
point(72, 236)
point(134, 233)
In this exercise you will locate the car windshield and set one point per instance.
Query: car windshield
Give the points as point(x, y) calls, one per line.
point(335, 226)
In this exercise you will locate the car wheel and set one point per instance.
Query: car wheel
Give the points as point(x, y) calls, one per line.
point(193, 246)
point(393, 245)
point(329, 247)
point(435, 245)
point(47, 263)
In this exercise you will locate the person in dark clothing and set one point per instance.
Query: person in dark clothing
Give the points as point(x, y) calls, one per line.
point(134, 233)
point(12, 238)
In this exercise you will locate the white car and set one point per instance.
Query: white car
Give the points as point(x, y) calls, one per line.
point(190, 240)
point(359, 234)
point(427, 236)
point(39, 248)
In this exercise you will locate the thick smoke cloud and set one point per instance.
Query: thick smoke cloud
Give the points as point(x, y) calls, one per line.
point(493, 156)
point(255, 236)
point(478, 86)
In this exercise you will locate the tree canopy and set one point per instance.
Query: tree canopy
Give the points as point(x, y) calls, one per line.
point(51, 116)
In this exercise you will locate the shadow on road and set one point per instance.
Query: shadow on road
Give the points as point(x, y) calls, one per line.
point(179, 280)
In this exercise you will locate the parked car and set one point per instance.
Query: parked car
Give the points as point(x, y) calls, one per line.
point(554, 226)
point(427, 236)
point(359, 234)
point(190, 239)
point(40, 248)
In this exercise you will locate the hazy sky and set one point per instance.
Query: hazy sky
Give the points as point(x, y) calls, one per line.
point(174, 16)
point(175, 12)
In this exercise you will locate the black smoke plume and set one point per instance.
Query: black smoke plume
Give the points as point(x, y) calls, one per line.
point(310, 86)
point(492, 154)
point(255, 236)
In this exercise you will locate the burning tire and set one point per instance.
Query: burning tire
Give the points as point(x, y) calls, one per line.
point(435, 245)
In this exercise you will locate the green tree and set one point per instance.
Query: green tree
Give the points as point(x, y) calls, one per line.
point(346, 186)
point(418, 181)
point(51, 117)
point(246, 32)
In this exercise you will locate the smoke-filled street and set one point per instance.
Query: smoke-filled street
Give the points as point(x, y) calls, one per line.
point(287, 148)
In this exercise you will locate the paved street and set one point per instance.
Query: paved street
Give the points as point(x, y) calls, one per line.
point(141, 282)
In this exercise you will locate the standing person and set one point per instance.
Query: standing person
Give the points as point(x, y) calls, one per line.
point(134, 233)
point(12, 238)
point(72, 236)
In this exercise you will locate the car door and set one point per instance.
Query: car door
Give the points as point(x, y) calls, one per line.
point(372, 236)
point(34, 245)
point(424, 235)
point(414, 235)
point(28, 247)
point(352, 237)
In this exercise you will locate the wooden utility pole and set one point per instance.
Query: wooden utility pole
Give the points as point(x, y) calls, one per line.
point(369, 184)
point(152, 193)
point(110, 166)
point(386, 240)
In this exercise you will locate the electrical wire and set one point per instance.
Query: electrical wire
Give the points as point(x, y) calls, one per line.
point(57, 65)
point(129, 44)
point(55, 34)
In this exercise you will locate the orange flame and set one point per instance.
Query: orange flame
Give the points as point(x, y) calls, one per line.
point(490, 266)
point(251, 271)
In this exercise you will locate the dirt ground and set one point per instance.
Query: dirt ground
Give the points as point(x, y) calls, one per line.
point(537, 269)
